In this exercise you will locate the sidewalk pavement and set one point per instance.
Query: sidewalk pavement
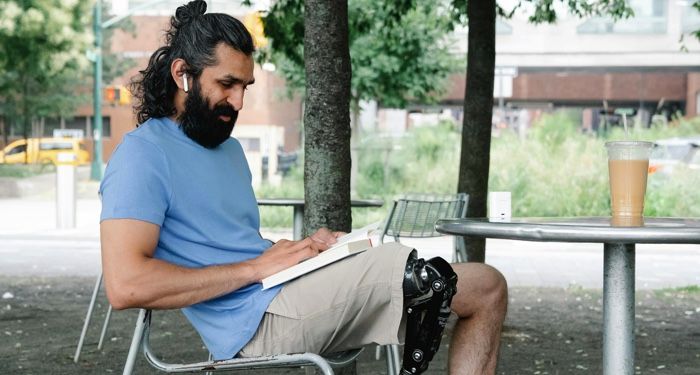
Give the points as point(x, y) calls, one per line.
point(30, 245)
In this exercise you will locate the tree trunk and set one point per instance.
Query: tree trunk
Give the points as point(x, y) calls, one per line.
point(354, 144)
point(327, 116)
point(478, 110)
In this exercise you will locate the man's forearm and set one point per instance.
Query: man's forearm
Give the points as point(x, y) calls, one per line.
point(157, 284)
point(134, 278)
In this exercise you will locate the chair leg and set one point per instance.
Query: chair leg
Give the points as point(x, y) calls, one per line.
point(389, 360)
point(460, 250)
point(104, 328)
point(88, 317)
point(394, 357)
point(135, 343)
point(210, 358)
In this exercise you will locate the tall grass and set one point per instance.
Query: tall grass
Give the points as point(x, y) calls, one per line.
point(555, 171)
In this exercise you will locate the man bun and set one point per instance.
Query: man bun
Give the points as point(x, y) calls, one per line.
point(189, 12)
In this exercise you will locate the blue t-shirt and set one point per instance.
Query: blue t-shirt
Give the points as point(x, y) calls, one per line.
point(203, 201)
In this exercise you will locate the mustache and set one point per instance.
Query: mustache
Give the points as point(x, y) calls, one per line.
point(224, 110)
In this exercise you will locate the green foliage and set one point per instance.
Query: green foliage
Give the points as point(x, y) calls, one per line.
point(551, 176)
point(42, 57)
point(672, 294)
point(424, 160)
point(399, 51)
point(556, 171)
point(291, 187)
point(25, 170)
point(553, 130)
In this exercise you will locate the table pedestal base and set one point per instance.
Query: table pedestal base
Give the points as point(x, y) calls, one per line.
point(618, 309)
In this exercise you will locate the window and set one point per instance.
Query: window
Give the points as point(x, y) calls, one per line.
point(106, 126)
point(250, 144)
point(51, 124)
point(649, 18)
point(79, 123)
point(690, 18)
point(82, 122)
point(17, 150)
point(56, 146)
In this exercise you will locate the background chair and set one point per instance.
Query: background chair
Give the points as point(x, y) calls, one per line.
point(414, 216)
point(141, 340)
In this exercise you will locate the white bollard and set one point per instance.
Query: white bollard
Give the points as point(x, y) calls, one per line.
point(65, 190)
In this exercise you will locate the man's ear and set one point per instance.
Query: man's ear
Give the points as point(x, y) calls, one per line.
point(178, 71)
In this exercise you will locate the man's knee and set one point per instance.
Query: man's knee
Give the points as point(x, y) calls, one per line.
point(480, 286)
point(496, 288)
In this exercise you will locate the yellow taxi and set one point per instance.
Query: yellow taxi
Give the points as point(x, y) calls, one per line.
point(43, 150)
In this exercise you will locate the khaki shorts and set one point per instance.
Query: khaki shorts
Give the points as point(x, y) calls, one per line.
point(351, 303)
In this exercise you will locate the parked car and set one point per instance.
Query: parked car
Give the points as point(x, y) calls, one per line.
point(668, 153)
point(43, 150)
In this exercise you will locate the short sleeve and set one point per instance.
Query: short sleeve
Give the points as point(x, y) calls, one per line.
point(136, 182)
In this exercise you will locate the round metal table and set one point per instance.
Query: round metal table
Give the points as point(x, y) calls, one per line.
point(618, 263)
point(298, 205)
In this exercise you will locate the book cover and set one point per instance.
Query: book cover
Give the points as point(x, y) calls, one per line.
point(352, 243)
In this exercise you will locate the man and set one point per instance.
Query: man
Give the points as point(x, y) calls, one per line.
point(180, 229)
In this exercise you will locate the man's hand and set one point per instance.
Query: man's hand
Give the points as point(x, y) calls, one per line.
point(325, 236)
point(284, 254)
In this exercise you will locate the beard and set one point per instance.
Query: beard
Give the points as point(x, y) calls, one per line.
point(202, 124)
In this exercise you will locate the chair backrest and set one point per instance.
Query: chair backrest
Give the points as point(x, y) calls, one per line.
point(415, 214)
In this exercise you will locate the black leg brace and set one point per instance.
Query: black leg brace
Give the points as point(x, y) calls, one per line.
point(428, 291)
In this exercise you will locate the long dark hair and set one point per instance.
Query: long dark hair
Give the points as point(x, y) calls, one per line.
point(193, 37)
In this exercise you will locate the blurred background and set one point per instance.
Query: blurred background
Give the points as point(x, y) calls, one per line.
point(561, 90)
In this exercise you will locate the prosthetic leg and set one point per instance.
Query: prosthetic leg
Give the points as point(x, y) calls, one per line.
point(428, 290)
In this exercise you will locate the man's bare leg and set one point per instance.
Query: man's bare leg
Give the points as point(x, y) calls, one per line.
point(480, 303)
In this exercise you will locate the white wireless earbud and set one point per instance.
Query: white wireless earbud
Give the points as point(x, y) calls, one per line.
point(186, 87)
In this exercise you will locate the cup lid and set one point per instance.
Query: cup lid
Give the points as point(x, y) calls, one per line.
point(629, 150)
point(626, 144)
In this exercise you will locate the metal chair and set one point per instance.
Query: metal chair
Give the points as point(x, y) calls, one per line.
point(88, 317)
point(141, 339)
point(414, 216)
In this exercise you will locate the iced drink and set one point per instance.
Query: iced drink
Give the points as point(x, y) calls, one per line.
point(628, 164)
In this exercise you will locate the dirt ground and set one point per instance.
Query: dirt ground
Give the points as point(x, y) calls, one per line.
point(548, 331)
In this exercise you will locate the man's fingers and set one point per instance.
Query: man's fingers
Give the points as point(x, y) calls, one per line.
point(319, 246)
point(306, 242)
point(306, 253)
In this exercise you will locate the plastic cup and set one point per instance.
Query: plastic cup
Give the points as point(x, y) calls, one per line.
point(628, 165)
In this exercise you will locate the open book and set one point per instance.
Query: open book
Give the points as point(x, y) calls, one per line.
point(354, 242)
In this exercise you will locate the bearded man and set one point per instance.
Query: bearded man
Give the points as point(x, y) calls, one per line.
point(180, 229)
